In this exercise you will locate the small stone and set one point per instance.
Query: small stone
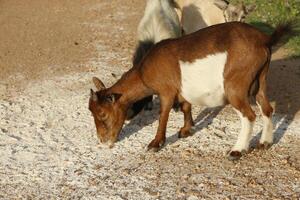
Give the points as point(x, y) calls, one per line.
point(192, 197)
point(4, 130)
point(151, 192)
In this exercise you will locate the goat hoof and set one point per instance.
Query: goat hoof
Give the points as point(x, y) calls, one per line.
point(236, 155)
point(153, 149)
point(184, 134)
point(264, 145)
point(155, 146)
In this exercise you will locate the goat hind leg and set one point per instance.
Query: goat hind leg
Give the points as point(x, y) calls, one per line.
point(266, 139)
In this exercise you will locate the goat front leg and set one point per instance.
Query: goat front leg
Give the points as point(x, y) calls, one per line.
point(166, 103)
point(186, 108)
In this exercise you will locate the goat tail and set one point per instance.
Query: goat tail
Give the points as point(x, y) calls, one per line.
point(283, 31)
point(142, 49)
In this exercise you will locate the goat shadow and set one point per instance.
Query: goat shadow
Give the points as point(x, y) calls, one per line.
point(283, 83)
point(144, 118)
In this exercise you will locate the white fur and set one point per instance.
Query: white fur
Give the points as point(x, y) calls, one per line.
point(197, 14)
point(202, 81)
point(160, 21)
point(267, 133)
point(244, 136)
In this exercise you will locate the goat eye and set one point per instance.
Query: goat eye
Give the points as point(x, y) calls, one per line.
point(104, 117)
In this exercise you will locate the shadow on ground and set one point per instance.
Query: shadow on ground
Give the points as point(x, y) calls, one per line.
point(141, 120)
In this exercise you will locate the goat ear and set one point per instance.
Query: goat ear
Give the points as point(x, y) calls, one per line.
point(112, 98)
point(98, 83)
point(93, 96)
point(250, 8)
point(221, 4)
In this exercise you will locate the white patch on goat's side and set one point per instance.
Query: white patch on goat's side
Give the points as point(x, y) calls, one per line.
point(202, 81)
point(267, 132)
point(244, 136)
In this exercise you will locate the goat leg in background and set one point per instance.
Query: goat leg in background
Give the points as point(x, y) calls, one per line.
point(138, 106)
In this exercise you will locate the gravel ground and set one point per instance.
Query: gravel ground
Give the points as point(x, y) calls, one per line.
point(49, 148)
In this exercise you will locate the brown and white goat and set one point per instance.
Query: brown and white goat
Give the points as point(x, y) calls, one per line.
point(198, 14)
point(214, 66)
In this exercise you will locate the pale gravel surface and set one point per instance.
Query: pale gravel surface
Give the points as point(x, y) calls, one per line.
point(49, 149)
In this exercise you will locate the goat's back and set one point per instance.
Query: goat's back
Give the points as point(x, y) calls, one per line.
point(231, 37)
point(245, 46)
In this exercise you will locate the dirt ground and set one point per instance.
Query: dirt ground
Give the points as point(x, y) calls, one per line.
point(49, 51)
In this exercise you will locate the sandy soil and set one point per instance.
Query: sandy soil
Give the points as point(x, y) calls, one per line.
point(49, 51)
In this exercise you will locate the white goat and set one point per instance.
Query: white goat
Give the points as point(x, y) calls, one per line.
point(160, 21)
point(198, 14)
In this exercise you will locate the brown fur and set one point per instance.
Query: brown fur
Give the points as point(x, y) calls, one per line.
point(159, 73)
